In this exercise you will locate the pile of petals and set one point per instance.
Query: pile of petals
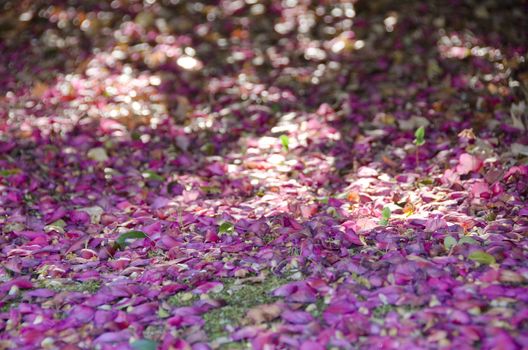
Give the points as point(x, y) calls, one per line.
point(153, 151)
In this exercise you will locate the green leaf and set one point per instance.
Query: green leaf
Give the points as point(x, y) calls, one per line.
point(285, 142)
point(144, 344)
point(482, 257)
point(426, 181)
point(162, 313)
point(55, 226)
point(419, 135)
point(9, 172)
point(152, 176)
point(211, 189)
point(385, 216)
point(208, 148)
point(449, 242)
point(467, 240)
point(125, 237)
point(226, 228)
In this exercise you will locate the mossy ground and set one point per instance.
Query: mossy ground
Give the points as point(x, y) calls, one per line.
point(10, 304)
point(239, 296)
point(317, 308)
point(90, 287)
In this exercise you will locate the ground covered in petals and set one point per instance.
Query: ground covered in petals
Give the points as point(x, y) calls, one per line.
point(263, 174)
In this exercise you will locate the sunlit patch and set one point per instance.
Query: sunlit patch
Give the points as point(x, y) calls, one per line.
point(189, 63)
point(359, 44)
point(390, 22)
point(461, 46)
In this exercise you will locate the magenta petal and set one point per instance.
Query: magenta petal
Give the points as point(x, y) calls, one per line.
point(311, 345)
point(468, 163)
point(351, 236)
point(297, 317)
point(82, 313)
point(40, 293)
point(206, 287)
point(113, 337)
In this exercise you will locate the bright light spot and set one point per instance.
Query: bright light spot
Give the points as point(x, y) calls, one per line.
point(276, 159)
point(118, 54)
point(85, 25)
point(349, 11)
point(359, 44)
point(390, 22)
point(136, 106)
point(338, 46)
point(145, 138)
point(190, 51)
point(154, 80)
point(189, 63)
point(284, 28)
point(257, 9)
point(26, 16)
point(314, 53)
point(337, 12)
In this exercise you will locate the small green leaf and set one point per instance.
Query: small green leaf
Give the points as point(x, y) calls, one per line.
point(162, 313)
point(9, 172)
point(467, 240)
point(419, 136)
point(55, 226)
point(208, 148)
point(323, 200)
point(449, 242)
point(285, 142)
point(385, 216)
point(122, 240)
point(226, 228)
point(332, 212)
point(211, 189)
point(152, 176)
point(144, 344)
point(427, 181)
point(482, 257)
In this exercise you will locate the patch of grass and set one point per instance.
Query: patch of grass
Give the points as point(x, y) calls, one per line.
point(218, 319)
point(382, 310)
point(90, 287)
point(155, 253)
point(317, 308)
point(239, 298)
point(10, 304)
point(153, 332)
point(182, 299)
point(361, 280)
point(491, 217)
point(235, 346)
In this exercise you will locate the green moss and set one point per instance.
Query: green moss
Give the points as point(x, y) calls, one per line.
point(90, 287)
point(361, 280)
point(216, 320)
point(317, 308)
point(491, 217)
point(382, 310)
point(155, 253)
point(235, 346)
point(183, 299)
point(153, 332)
point(10, 304)
point(239, 298)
